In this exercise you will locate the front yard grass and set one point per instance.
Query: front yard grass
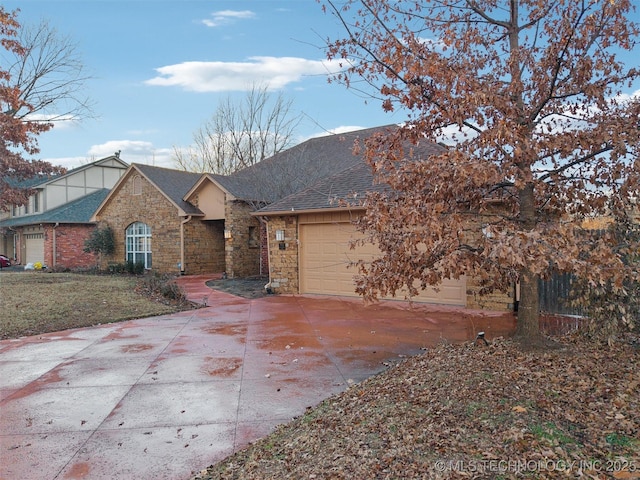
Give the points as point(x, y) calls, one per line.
point(39, 302)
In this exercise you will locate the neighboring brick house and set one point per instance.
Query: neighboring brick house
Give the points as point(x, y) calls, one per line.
point(310, 232)
point(54, 224)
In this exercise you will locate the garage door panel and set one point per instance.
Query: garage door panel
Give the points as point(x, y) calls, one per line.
point(34, 247)
point(325, 256)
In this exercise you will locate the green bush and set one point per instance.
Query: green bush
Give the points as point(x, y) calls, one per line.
point(100, 241)
point(132, 268)
point(127, 267)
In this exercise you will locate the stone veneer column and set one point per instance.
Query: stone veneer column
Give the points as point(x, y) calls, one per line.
point(283, 263)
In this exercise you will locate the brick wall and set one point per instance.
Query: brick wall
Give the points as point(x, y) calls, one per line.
point(283, 264)
point(242, 252)
point(153, 208)
point(68, 242)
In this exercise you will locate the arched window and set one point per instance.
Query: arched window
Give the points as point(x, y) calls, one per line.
point(138, 243)
point(137, 185)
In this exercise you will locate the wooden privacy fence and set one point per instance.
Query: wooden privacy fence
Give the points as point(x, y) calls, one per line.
point(557, 315)
point(555, 293)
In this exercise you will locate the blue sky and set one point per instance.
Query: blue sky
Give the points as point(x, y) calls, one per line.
point(160, 67)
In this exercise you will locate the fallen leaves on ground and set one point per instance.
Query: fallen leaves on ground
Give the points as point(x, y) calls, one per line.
point(467, 411)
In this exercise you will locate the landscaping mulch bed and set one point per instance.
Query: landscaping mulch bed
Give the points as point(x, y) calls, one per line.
point(251, 287)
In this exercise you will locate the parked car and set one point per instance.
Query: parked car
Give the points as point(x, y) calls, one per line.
point(4, 261)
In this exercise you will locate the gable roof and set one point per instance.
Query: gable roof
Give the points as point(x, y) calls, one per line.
point(219, 180)
point(346, 189)
point(39, 181)
point(172, 184)
point(298, 167)
point(77, 211)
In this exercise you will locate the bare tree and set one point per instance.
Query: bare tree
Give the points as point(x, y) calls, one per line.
point(546, 139)
point(241, 134)
point(18, 131)
point(50, 75)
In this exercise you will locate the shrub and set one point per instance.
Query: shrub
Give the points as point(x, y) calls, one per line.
point(100, 241)
point(132, 268)
point(163, 286)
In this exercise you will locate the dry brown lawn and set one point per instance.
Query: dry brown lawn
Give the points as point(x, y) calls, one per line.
point(36, 302)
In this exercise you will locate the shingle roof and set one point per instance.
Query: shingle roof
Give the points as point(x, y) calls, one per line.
point(294, 169)
point(30, 182)
point(173, 183)
point(76, 211)
point(346, 188)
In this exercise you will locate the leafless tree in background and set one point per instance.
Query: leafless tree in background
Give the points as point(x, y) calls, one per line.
point(49, 74)
point(241, 134)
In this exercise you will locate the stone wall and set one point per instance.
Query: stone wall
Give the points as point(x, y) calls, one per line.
point(242, 249)
point(283, 264)
point(66, 242)
point(204, 247)
point(154, 209)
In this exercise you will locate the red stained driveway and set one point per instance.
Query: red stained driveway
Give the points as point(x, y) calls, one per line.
point(162, 397)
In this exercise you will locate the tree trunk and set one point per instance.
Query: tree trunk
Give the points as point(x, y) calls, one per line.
point(527, 327)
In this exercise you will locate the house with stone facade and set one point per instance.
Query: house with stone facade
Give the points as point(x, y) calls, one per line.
point(187, 223)
point(51, 228)
point(310, 233)
point(178, 222)
point(154, 225)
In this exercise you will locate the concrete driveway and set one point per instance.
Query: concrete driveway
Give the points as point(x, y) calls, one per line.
point(162, 397)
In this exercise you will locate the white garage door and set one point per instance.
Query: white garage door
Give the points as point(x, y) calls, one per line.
point(34, 246)
point(324, 264)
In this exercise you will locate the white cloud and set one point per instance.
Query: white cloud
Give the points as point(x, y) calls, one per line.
point(238, 76)
point(337, 130)
point(226, 17)
point(453, 134)
point(68, 162)
point(133, 151)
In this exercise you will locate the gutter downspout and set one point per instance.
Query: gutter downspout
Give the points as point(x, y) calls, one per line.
point(15, 243)
point(182, 224)
point(53, 260)
point(267, 287)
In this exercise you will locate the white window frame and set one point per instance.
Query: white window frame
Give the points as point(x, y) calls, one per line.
point(138, 244)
